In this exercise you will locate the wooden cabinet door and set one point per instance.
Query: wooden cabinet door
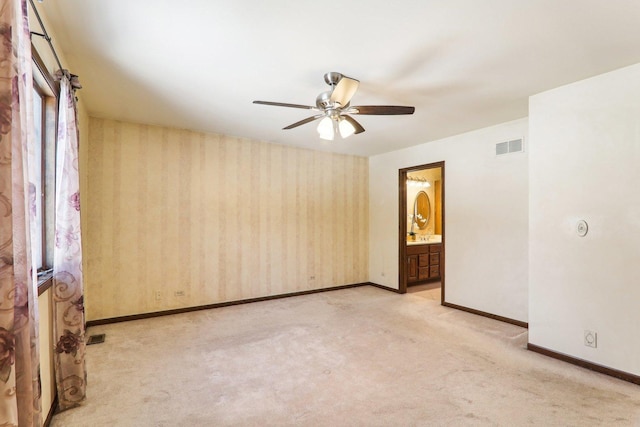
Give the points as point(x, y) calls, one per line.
point(423, 260)
point(412, 268)
point(434, 265)
point(434, 271)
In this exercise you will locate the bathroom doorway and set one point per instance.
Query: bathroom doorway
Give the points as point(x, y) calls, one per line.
point(421, 225)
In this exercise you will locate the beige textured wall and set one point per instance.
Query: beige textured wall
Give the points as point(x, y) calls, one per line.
point(216, 217)
point(47, 344)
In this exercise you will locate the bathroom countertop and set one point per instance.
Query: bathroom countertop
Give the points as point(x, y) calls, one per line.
point(433, 239)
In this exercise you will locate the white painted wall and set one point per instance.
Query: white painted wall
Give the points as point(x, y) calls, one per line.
point(486, 225)
point(585, 164)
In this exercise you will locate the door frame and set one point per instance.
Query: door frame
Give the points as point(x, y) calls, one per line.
point(402, 226)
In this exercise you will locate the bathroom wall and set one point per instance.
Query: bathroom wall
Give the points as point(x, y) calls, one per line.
point(431, 175)
point(584, 157)
point(177, 218)
point(486, 218)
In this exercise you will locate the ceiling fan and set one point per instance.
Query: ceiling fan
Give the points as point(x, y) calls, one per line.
point(334, 108)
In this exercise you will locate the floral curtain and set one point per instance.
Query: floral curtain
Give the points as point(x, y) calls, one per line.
point(19, 359)
point(68, 295)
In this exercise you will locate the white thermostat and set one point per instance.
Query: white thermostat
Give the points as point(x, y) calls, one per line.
point(583, 228)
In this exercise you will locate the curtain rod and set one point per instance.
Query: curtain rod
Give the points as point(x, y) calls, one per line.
point(45, 35)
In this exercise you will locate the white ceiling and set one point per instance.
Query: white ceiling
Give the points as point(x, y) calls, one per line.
point(464, 64)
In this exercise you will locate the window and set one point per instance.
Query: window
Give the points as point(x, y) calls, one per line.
point(45, 106)
point(37, 247)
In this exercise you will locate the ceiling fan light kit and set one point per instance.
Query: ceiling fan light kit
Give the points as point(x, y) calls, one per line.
point(325, 129)
point(333, 107)
point(346, 128)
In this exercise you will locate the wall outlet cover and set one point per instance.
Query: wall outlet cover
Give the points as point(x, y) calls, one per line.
point(591, 339)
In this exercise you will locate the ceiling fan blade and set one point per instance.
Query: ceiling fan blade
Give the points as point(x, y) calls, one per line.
point(282, 104)
point(344, 90)
point(358, 127)
point(305, 121)
point(381, 110)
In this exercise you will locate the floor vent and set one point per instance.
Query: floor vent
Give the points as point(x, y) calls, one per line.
point(96, 339)
point(507, 147)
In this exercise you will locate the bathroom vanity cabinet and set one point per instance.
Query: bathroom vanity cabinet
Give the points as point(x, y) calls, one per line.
point(423, 262)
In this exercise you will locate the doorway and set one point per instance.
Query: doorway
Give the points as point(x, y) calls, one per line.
point(421, 225)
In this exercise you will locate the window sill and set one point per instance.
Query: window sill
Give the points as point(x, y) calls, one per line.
point(44, 283)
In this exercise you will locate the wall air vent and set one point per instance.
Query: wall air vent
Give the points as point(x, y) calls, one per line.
point(96, 339)
point(507, 147)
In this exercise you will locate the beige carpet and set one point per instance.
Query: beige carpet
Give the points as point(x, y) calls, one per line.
point(429, 290)
point(355, 357)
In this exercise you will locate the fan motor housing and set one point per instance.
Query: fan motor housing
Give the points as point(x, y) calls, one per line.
point(324, 100)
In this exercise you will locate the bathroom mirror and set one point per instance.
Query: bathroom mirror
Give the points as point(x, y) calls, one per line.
point(421, 210)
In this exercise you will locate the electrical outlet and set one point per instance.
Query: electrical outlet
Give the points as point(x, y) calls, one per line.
point(179, 293)
point(591, 339)
point(158, 295)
